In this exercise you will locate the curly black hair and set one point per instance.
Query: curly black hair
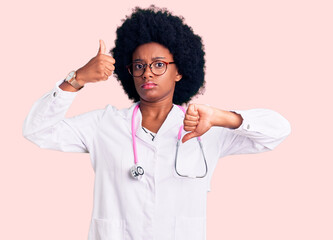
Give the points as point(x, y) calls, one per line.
point(159, 25)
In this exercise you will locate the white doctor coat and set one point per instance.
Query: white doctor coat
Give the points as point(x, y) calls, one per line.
point(162, 205)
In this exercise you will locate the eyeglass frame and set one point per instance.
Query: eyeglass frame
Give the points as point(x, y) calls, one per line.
point(145, 67)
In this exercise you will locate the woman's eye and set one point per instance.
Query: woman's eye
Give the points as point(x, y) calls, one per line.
point(138, 66)
point(159, 64)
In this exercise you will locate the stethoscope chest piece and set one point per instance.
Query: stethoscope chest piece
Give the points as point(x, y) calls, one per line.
point(137, 172)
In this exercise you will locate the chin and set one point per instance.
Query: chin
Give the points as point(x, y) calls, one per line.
point(153, 96)
point(149, 99)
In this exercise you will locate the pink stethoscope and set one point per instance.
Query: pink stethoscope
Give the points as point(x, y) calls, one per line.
point(137, 171)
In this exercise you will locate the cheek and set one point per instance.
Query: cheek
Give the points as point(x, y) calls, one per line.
point(173, 75)
point(136, 83)
point(169, 77)
point(166, 81)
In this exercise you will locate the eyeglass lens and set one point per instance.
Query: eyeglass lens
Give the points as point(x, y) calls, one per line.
point(157, 67)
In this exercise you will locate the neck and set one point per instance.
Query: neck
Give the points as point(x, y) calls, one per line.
point(156, 110)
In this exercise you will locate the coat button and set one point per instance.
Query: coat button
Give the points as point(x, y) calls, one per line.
point(54, 94)
point(248, 127)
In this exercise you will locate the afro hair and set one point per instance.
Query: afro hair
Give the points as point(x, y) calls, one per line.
point(159, 25)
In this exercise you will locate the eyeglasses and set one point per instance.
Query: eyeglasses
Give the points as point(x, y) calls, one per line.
point(157, 67)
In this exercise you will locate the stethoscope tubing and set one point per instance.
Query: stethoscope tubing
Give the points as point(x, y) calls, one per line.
point(133, 134)
point(135, 174)
point(203, 154)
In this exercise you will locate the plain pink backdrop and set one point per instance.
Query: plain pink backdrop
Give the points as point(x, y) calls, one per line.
point(259, 54)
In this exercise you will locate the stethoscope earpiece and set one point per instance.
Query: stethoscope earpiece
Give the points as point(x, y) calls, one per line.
point(137, 172)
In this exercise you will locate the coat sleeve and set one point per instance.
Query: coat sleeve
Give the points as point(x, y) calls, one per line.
point(261, 130)
point(47, 126)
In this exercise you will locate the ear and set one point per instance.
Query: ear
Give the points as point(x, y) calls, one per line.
point(178, 77)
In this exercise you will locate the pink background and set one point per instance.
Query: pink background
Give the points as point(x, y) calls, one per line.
point(259, 54)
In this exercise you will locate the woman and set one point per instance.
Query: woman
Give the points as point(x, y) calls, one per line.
point(148, 184)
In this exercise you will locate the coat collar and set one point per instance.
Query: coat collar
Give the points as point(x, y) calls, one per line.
point(173, 120)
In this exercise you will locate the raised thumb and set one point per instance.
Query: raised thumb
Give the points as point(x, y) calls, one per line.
point(102, 47)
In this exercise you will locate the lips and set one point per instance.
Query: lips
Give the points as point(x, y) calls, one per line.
point(148, 85)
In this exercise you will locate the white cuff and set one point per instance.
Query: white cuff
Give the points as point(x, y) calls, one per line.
point(264, 121)
point(59, 93)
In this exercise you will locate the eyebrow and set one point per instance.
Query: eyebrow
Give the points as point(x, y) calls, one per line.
point(141, 60)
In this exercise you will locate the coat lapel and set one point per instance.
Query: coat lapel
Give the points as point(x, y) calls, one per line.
point(172, 123)
point(174, 120)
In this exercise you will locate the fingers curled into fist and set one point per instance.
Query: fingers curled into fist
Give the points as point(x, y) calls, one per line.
point(105, 67)
point(197, 121)
point(191, 118)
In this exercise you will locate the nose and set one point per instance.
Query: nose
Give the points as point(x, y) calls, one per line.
point(147, 73)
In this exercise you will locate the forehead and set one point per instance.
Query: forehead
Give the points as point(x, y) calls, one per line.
point(151, 50)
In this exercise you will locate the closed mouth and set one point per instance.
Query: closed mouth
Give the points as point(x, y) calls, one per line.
point(148, 85)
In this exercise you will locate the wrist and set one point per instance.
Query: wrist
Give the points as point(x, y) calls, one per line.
point(218, 117)
point(71, 79)
point(79, 78)
point(65, 86)
point(226, 119)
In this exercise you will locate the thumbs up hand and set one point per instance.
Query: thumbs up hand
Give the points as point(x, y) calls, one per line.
point(99, 68)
